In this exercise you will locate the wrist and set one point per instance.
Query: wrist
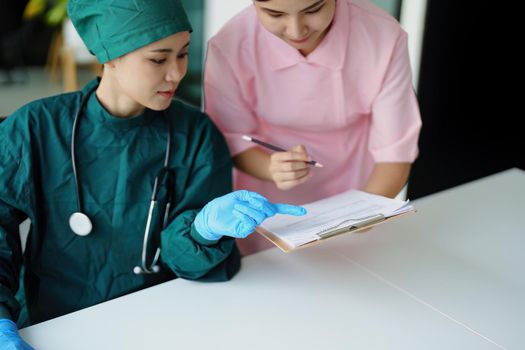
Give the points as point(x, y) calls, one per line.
point(197, 237)
point(254, 162)
point(202, 228)
point(8, 325)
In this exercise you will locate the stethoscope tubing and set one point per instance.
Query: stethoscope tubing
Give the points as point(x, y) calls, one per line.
point(83, 103)
point(143, 268)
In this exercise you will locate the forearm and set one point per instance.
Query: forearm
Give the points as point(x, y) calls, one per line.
point(190, 256)
point(255, 162)
point(10, 264)
point(388, 179)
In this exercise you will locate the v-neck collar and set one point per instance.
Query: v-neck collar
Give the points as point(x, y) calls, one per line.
point(330, 53)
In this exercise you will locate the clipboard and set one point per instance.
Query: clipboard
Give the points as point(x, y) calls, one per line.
point(361, 225)
point(287, 248)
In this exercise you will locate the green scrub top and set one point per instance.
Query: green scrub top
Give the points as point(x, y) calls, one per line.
point(117, 160)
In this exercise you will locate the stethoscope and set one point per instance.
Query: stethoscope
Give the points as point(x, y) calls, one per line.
point(81, 224)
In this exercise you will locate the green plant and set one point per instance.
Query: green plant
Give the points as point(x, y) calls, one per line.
point(53, 12)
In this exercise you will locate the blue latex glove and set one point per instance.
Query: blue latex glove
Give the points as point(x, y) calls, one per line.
point(237, 214)
point(9, 338)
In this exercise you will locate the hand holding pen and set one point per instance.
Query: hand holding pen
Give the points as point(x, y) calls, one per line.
point(288, 168)
point(277, 149)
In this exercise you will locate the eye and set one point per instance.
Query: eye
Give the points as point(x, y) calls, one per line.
point(311, 12)
point(274, 15)
point(182, 55)
point(158, 61)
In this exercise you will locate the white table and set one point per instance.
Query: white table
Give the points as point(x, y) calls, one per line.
point(448, 277)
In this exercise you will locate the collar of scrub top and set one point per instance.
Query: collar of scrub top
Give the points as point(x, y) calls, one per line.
point(331, 52)
point(80, 223)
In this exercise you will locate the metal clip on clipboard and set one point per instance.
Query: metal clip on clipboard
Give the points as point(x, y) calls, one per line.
point(370, 221)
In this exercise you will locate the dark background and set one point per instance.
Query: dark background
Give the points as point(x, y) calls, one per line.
point(470, 126)
point(21, 42)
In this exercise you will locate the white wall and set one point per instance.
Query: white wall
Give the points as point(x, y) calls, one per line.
point(413, 13)
point(218, 12)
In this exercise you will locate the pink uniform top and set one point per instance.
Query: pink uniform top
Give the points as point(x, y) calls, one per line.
point(350, 102)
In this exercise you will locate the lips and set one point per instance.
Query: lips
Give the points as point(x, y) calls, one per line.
point(302, 41)
point(167, 94)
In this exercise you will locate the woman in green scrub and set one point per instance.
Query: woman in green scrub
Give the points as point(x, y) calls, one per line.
point(125, 187)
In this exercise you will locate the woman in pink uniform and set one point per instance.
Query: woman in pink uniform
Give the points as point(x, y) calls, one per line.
point(327, 80)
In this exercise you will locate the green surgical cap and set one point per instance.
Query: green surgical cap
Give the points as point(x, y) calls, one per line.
point(113, 28)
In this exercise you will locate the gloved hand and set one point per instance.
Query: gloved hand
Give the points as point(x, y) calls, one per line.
point(9, 338)
point(237, 214)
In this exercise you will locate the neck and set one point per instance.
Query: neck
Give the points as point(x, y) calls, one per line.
point(118, 104)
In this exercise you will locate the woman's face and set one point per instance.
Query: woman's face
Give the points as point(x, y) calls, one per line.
point(149, 76)
point(300, 23)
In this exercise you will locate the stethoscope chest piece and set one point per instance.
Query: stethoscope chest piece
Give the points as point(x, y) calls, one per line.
point(80, 224)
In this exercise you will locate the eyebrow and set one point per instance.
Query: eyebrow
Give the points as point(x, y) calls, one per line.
point(303, 10)
point(170, 50)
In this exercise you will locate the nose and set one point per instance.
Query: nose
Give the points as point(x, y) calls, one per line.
point(296, 29)
point(176, 71)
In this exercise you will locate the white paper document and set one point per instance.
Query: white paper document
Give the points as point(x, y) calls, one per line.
point(324, 218)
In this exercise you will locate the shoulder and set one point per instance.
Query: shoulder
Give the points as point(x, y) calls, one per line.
point(189, 118)
point(48, 106)
point(367, 10)
point(373, 19)
point(237, 35)
point(39, 116)
point(181, 112)
point(196, 130)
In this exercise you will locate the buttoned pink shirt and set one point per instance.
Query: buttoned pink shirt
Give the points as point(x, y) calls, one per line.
point(350, 102)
